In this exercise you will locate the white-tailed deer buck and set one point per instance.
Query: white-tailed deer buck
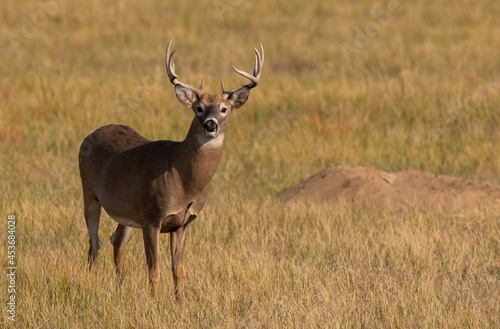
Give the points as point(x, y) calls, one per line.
point(158, 186)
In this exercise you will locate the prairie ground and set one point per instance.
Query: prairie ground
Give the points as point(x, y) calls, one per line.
point(394, 85)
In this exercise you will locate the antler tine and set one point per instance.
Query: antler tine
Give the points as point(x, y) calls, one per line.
point(255, 66)
point(257, 70)
point(259, 59)
point(171, 70)
point(170, 64)
point(222, 85)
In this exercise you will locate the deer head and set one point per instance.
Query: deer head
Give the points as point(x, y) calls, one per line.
point(211, 111)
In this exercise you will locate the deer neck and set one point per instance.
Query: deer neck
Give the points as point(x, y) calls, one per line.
point(200, 156)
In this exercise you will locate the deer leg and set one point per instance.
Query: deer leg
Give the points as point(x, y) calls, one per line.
point(92, 210)
point(177, 239)
point(118, 240)
point(151, 235)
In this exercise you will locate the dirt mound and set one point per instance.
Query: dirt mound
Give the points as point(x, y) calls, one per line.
point(392, 191)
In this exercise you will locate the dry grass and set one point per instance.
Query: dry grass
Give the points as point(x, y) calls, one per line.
point(421, 93)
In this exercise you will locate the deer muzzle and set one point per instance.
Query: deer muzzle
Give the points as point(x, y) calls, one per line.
point(211, 127)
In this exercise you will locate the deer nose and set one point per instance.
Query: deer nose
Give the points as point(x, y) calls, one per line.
point(210, 126)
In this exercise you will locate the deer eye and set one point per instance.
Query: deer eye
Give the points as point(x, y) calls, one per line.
point(223, 110)
point(199, 109)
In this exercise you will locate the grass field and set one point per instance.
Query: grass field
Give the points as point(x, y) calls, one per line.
point(389, 84)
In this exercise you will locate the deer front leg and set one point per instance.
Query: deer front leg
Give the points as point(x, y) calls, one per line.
point(151, 234)
point(177, 239)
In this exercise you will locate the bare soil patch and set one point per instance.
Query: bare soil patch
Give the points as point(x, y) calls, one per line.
point(392, 191)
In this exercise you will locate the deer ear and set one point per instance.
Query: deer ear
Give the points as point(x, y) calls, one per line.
point(185, 95)
point(239, 97)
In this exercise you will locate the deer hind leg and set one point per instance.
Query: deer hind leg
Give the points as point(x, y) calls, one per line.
point(118, 240)
point(151, 235)
point(92, 217)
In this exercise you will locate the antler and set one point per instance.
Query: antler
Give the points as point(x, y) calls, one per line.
point(171, 71)
point(257, 70)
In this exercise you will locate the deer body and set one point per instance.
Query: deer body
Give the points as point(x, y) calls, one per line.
point(157, 186)
point(164, 178)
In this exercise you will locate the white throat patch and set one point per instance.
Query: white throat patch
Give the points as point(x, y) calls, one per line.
point(206, 141)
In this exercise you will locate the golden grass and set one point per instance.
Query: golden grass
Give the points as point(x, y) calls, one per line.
point(422, 93)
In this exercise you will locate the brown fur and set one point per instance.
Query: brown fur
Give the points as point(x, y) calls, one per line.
point(158, 186)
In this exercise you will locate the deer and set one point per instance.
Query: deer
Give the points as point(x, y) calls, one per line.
point(158, 186)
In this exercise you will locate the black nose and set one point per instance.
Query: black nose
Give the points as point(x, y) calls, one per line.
point(210, 126)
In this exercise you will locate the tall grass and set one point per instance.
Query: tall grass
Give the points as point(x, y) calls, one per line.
point(421, 92)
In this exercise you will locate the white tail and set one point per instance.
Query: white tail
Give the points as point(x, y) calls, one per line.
point(157, 186)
